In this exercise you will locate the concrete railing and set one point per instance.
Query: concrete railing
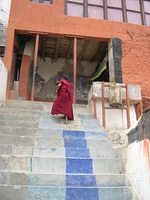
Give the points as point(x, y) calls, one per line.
point(115, 117)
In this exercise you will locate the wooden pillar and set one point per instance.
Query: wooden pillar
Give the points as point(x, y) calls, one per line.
point(74, 69)
point(34, 66)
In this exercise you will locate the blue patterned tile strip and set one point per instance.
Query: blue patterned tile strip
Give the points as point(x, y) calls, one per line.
point(80, 181)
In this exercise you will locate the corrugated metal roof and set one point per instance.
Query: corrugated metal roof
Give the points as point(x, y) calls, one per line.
point(2, 34)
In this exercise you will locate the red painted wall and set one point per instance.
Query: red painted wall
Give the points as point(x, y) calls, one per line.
point(26, 16)
point(24, 77)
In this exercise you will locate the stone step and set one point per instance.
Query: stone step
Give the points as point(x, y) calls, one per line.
point(71, 142)
point(23, 105)
point(58, 133)
point(18, 116)
point(49, 125)
point(88, 124)
point(6, 110)
point(71, 134)
point(20, 131)
point(43, 103)
point(59, 123)
point(59, 152)
point(61, 165)
point(61, 180)
point(65, 193)
point(47, 142)
point(17, 140)
point(19, 123)
point(46, 106)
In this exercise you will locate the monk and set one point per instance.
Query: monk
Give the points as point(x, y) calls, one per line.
point(64, 100)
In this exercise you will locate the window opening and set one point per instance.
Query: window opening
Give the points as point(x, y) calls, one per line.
point(95, 9)
point(114, 9)
point(43, 1)
point(147, 12)
point(133, 11)
point(130, 11)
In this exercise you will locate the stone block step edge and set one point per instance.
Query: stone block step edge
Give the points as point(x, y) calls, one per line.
point(60, 179)
point(119, 187)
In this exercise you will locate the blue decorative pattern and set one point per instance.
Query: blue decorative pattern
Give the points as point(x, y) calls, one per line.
point(79, 166)
point(75, 143)
point(77, 152)
point(79, 178)
point(82, 194)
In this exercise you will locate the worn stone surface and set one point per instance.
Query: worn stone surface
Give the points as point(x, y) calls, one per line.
point(119, 137)
point(86, 165)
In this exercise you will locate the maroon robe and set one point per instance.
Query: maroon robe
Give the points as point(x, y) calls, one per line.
point(63, 102)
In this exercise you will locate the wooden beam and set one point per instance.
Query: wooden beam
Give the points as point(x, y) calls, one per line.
point(43, 47)
point(70, 50)
point(95, 52)
point(57, 49)
point(74, 36)
point(38, 33)
point(83, 50)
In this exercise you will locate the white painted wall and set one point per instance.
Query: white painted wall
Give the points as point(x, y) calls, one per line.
point(3, 80)
point(4, 16)
point(138, 169)
point(4, 11)
point(115, 119)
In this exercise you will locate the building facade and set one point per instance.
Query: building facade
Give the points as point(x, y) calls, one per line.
point(87, 40)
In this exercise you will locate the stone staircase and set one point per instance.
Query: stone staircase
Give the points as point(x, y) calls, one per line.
point(41, 158)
